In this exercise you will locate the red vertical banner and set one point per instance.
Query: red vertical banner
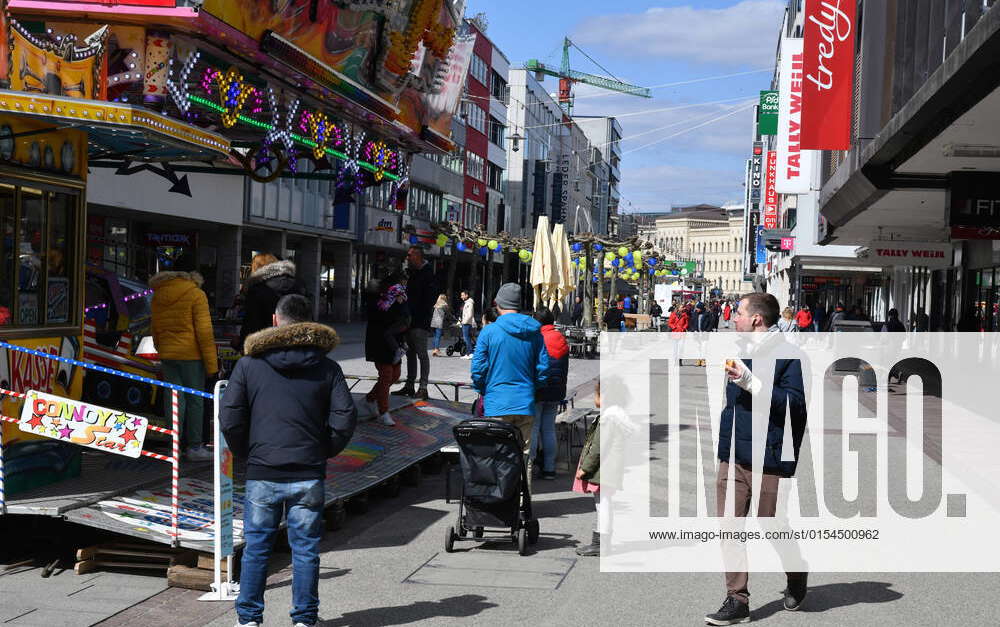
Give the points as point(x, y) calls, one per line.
point(828, 80)
point(770, 195)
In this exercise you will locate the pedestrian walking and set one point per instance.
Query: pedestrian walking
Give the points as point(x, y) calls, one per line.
point(837, 315)
point(787, 323)
point(819, 318)
point(385, 333)
point(727, 313)
point(678, 321)
point(921, 321)
point(422, 291)
point(439, 320)
point(269, 280)
point(510, 362)
point(655, 311)
point(468, 322)
point(758, 315)
point(549, 397)
point(577, 317)
point(892, 323)
point(804, 319)
point(182, 333)
point(287, 410)
point(613, 319)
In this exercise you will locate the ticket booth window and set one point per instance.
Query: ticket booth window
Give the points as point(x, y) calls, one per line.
point(40, 233)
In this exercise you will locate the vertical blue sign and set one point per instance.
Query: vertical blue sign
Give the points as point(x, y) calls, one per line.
point(761, 251)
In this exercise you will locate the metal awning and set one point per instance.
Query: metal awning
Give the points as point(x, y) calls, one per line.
point(120, 130)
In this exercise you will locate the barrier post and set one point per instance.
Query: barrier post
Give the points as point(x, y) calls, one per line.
point(223, 505)
point(3, 501)
point(175, 465)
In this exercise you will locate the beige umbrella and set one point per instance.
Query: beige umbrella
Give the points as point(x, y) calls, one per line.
point(542, 276)
point(563, 265)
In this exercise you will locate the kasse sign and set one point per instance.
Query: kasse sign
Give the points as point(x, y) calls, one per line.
point(829, 74)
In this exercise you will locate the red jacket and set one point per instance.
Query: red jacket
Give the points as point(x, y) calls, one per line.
point(558, 350)
point(678, 321)
point(728, 311)
point(803, 318)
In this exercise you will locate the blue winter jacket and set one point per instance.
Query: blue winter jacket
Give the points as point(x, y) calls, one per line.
point(787, 391)
point(510, 362)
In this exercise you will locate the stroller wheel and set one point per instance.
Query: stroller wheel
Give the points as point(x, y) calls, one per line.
point(532, 527)
point(449, 540)
point(477, 532)
point(449, 351)
point(522, 541)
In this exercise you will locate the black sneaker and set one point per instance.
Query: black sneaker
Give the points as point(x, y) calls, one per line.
point(732, 612)
point(548, 475)
point(795, 593)
point(420, 394)
point(406, 390)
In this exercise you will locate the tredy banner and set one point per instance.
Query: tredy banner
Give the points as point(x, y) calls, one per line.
point(829, 74)
point(795, 165)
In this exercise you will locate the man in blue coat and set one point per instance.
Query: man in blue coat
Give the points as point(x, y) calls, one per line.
point(510, 362)
point(758, 316)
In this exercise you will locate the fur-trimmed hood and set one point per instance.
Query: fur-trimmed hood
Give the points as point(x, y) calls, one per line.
point(161, 278)
point(301, 335)
point(271, 270)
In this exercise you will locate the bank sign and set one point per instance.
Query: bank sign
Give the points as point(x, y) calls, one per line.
point(767, 116)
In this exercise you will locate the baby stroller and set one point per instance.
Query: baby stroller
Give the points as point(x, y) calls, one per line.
point(458, 346)
point(495, 497)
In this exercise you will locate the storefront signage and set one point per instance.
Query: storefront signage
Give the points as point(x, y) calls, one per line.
point(383, 229)
point(761, 248)
point(756, 171)
point(795, 165)
point(974, 205)
point(770, 195)
point(787, 243)
point(108, 430)
point(767, 116)
point(168, 239)
point(928, 254)
point(750, 241)
point(385, 225)
point(828, 85)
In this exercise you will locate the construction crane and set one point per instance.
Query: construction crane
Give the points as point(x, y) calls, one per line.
point(568, 76)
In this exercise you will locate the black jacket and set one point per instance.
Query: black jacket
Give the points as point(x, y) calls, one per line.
point(287, 408)
point(422, 292)
point(788, 392)
point(264, 288)
point(655, 310)
point(377, 347)
point(577, 313)
point(613, 318)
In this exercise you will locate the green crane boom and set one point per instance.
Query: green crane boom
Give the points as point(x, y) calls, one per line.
point(569, 76)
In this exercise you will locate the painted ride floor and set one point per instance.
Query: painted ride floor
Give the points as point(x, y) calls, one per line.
point(375, 454)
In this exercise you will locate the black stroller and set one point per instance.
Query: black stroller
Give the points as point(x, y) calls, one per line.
point(495, 497)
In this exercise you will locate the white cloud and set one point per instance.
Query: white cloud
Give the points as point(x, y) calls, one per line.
point(744, 34)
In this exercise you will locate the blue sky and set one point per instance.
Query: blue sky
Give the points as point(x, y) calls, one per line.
point(656, 43)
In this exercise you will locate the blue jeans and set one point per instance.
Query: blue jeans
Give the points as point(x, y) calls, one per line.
point(437, 338)
point(545, 424)
point(265, 503)
point(467, 338)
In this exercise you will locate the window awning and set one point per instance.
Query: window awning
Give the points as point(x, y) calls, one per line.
point(118, 130)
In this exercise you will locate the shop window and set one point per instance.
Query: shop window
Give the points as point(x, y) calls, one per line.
point(31, 252)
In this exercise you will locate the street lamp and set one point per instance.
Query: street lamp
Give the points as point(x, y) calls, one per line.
point(515, 141)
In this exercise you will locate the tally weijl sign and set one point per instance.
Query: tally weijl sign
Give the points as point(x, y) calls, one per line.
point(828, 40)
point(928, 254)
point(795, 165)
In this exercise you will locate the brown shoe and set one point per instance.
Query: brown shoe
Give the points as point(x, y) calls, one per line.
point(421, 394)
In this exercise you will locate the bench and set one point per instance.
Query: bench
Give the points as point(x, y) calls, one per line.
point(567, 432)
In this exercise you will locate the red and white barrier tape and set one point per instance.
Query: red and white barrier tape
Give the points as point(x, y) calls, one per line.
point(175, 462)
point(11, 393)
point(162, 458)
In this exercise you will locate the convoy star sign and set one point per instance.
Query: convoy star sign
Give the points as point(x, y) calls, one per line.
point(828, 45)
point(83, 424)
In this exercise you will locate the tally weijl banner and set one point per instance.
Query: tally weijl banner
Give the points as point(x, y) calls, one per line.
point(795, 165)
point(829, 74)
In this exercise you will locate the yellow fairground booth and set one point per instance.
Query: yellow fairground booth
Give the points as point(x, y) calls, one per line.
point(54, 117)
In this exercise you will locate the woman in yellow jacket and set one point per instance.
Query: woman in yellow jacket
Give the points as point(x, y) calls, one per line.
point(182, 331)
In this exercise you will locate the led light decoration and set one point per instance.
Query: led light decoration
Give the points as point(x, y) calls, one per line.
point(233, 94)
point(404, 176)
point(319, 131)
point(377, 153)
point(178, 90)
point(282, 132)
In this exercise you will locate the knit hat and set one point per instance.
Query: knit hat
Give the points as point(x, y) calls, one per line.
point(509, 297)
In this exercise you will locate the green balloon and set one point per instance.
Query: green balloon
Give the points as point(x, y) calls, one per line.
point(492, 245)
point(522, 255)
point(622, 251)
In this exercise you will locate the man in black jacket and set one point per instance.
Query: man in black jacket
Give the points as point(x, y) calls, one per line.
point(758, 316)
point(286, 411)
point(422, 293)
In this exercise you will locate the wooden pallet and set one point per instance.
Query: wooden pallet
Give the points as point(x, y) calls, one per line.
point(123, 555)
point(193, 571)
